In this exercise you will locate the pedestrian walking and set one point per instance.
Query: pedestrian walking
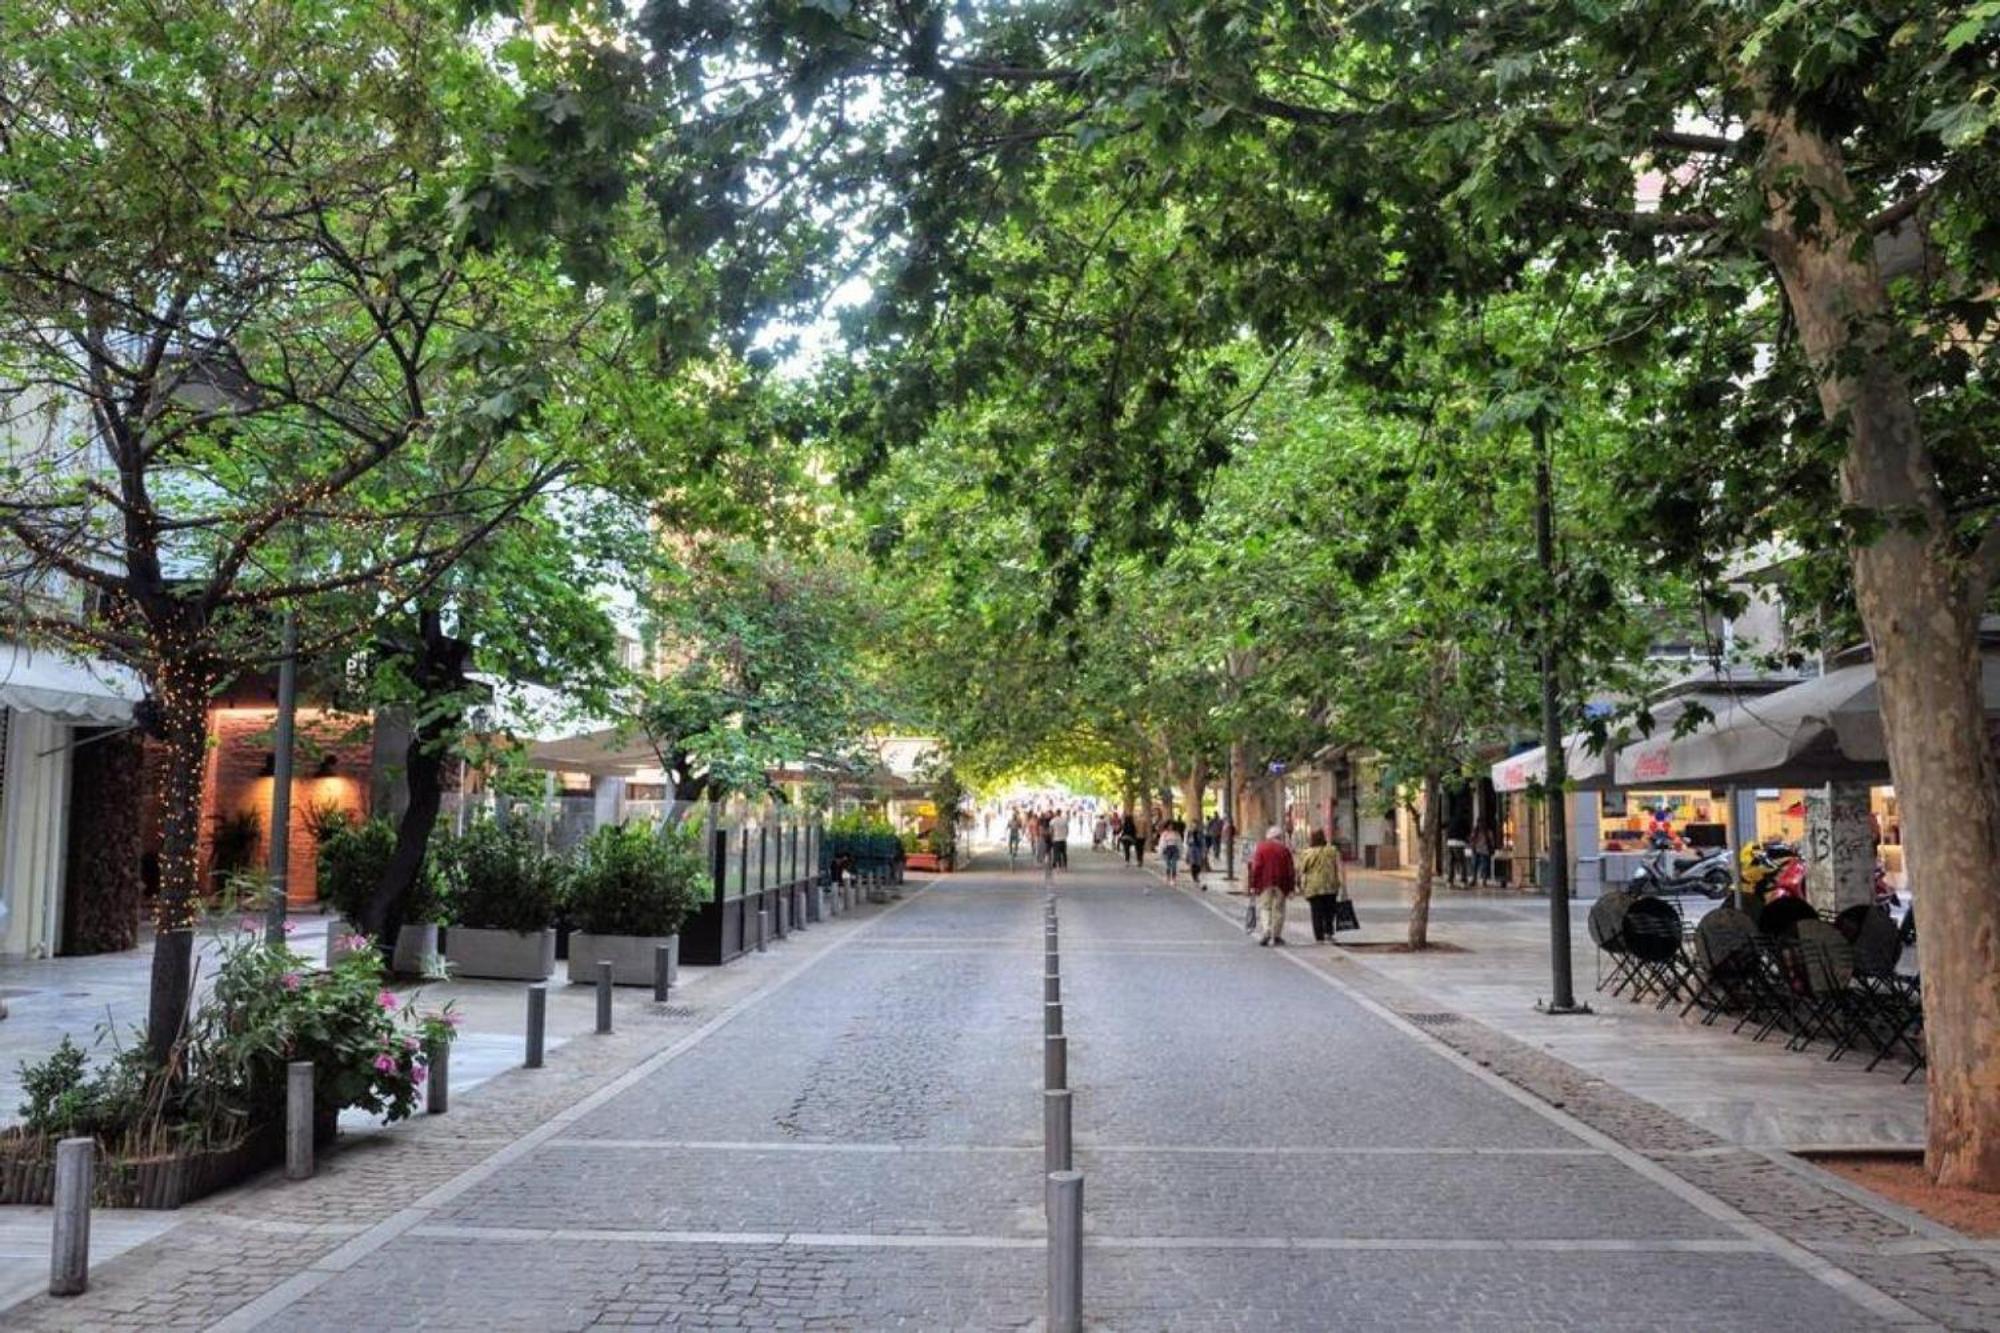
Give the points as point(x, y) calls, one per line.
point(1098, 832)
point(1128, 839)
point(1059, 840)
point(1321, 879)
point(1197, 854)
point(1482, 855)
point(1170, 851)
point(1273, 876)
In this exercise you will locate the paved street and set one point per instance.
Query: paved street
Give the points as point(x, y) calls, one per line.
point(858, 1146)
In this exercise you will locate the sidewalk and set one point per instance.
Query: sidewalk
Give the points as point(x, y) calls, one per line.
point(1756, 1095)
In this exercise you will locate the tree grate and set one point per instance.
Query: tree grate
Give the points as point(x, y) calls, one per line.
point(1432, 1020)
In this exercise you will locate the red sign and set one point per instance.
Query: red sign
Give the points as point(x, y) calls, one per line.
point(1655, 761)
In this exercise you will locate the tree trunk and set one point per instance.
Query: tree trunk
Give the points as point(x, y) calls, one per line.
point(1192, 787)
point(439, 670)
point(1427, 824)
point(183, 691)
point(1920, 600)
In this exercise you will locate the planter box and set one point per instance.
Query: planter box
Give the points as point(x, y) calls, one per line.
point(926, 861)
point(157, 1182)
point(416, 951)
point(337, 930)
point(509, 955)
point(631, 958)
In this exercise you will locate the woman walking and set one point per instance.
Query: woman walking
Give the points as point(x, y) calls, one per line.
point(1170, 850)
point(1321, 878)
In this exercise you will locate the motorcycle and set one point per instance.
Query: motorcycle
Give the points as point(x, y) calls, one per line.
point(1707, 873)
point(1790, 882)
point(1760, 863)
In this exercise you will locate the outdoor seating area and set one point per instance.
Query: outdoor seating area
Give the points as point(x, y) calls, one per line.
point(1785, 970)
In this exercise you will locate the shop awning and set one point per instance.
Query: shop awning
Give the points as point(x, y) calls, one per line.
point(1586, 770)
point(1823, 730)
point(609, 752)
point(79, 691)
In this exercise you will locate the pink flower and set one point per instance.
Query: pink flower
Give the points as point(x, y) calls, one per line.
point(290, 980)
point(411, 1043)
point(454, 1018)
point(385, 1064)
point(386, 1000)
point(249, 923)
point(291, 926)
point(417, 1073)
point(354, 943)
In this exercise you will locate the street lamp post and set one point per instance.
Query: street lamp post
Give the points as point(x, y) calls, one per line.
point(1562, 999)
point(1229, 817)
point(281, 782)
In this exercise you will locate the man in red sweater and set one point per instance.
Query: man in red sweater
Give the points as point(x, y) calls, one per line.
point(1273, 876)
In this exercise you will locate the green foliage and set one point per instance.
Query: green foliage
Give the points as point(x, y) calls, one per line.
point(351, 862)
point(65, 1098)
point(632, 880)
point(235, 843)
point(496, 877)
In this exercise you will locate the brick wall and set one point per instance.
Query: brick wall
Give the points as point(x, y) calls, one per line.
point(239, 741)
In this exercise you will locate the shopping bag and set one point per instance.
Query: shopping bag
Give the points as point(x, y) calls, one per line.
point(1343, 915)
point(1250, 915)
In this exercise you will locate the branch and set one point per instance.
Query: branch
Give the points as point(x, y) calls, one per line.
point(1902, 210)
point(1686, 142)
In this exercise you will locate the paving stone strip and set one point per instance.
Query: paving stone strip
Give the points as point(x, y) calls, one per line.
point(249, 1242)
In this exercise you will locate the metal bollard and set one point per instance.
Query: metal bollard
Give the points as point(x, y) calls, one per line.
point(1055, 1062)
point(69, 1250)
point(763, 928)
point(1052, 988)
point(299, 1120)
point(663, 971)
point(538, 1023)
point(603, 995)
point(1065, 1208)
point(1052, 1018)
point(437, 1079)
point(1056, 1103)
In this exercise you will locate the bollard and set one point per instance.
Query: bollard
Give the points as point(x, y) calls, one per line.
point(437, 1084)
point(1056, 1129)
point(299, 1120)
point(69, 1250)
point(1055, 1062)
point(538, 1023)
point(763, 928)
point(663, 971)
point(1052, 1018)
point(1065, 1208)
point(1052, 988)
point(603, 995)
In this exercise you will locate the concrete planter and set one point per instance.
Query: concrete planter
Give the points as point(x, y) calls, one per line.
point(336, 936)
point(509, 955)
point(417, 951)
point(631, 958)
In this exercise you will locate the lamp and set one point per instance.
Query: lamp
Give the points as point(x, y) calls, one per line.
point(269, 769)
point(327, 763)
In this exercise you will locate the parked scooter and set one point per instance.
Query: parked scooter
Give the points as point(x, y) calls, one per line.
point(1707, 873)
point(1790, 882)
point(1759, 864)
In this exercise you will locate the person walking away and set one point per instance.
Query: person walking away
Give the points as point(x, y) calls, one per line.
point(1014, 831)
point(1321, 880)
point(1482, 855)
point(1170, 852)
point(1273, 876)
point(1059, 840)
point(1197, 854)
point(1128, 836)
point(1097, 832)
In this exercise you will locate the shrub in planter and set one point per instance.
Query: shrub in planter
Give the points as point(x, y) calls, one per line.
point(628, 891)
point(352, 859)
point(500, 893)
point(216, 1113)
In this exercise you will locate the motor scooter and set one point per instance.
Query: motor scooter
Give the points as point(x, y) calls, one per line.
point(1707, 873)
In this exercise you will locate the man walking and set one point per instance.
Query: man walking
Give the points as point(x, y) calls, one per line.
point(1273, 876)
point(1059, 840)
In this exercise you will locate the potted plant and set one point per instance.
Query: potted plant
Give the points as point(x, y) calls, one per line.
point(233, 849)
point(628, 892)
point(500, 893)
point(352, 860)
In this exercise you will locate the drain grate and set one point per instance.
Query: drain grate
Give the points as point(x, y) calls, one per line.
point(1432, 1020)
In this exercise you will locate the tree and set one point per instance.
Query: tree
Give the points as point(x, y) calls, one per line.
point(247, 362)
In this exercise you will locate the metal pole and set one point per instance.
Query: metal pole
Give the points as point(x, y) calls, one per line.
point(1065, 1208)
point(1052, 1018)
point(538, 1023)
point(1051, 987)
point(298, 1120)
point(1229, 817)
point(69, 1250)
point(279, 860)
point(604, 995)
point(437, 1085)
point(663, 971)
point(1562, 999)
point(1055, 1062)
point(1056, 1127)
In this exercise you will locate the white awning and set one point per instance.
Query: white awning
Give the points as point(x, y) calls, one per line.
point(610, 752)
point(80, 691)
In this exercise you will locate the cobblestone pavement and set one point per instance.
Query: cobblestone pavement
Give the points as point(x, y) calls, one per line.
point(846, 1134)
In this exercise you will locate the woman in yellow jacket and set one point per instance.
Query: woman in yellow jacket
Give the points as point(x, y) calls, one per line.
point(1321, 878)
